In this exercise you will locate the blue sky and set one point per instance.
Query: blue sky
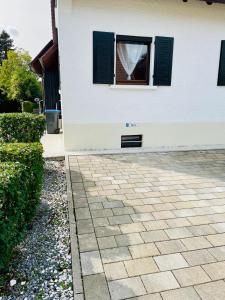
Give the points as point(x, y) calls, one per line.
point(28, 21)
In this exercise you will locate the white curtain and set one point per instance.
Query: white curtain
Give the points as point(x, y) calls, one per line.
point(130, 55)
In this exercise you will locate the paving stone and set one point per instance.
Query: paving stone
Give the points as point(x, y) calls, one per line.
point(142, 217)
point(178, 233)
point(115, 254)
point(155, 225)
point(126, 288)
point(163, 206)
point(83, 213)
point(188, 293)
point(154, 236)
point(115, 271)
point(116, 220)
point(211, 291)
point(169, 247)
point(183, 205)
point(85, 226)
point(96, 199)
point(143, 250)
point(98, 222)
point(132, 228)
point(160, 215)
point(128, 239)
point(198, 257)
point(117, 198)
point(107, 242)
point(133, 202)
point(170, 262)
point(101, 213)
point(195, 243)
point(91, 263)
point(218, 252)
point(216, 270)
point(95, 287)
point(217, 239)
point(87, 242)
point(216, 218)
point(178, 222)
point(107, 231)
point(191, 276)
point(95, 206)
point(199, 220)
point(80, 202)
point(143, 208)
point(188, 197)
point(169, 198)
point(159, 282)
point(219, 227)
point(151, 200)
point(123, 211)
point(113, 204)
point(140, 266)
point(201, 230)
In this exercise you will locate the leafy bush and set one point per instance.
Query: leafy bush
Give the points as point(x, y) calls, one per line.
point(21, 127)
point(29, 155)
point(14, 196)
point(27, 106)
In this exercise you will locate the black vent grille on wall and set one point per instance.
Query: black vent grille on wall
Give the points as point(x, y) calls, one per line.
point(131, 141)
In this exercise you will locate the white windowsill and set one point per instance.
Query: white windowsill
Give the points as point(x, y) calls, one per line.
point(133, 87)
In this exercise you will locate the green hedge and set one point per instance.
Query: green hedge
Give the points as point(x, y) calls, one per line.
point(27, 106)
point(14, 196)
point(21, 127)
point(30, 155)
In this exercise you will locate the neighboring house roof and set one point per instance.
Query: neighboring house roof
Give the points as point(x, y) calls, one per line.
point(46, 59)
point(48, 56)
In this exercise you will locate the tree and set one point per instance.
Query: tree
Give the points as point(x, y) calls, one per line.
point(17, 81)
point(6, 44)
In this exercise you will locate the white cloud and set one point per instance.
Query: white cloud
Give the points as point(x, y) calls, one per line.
point(13, 32)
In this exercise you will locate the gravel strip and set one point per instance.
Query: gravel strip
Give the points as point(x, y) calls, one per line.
point(42, 267)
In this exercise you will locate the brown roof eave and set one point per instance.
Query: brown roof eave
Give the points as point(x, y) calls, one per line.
point(35, 64)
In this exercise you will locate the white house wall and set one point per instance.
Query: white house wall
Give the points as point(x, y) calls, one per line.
point(189, 114)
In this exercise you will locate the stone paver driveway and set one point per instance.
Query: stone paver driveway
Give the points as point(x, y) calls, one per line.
point(151, 226)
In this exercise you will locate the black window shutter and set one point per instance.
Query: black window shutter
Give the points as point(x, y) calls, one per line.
point(163, 61)
point(221, 76)
point(103, 57)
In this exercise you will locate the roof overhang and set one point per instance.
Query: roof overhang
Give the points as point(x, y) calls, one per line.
point(46, 59)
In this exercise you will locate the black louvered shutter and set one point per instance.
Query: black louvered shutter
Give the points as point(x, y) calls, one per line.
point(163, 61)
point(221, 76)
point(103, 57)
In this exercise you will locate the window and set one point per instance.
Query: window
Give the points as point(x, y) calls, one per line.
point(132, 60)
point(132, 66)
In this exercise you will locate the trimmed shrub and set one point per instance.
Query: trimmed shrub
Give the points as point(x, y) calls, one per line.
point(14, 196)
point(27, 106)
point(29, 155)
point(21, 127)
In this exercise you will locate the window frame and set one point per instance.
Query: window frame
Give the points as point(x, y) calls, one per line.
point(134, 40)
